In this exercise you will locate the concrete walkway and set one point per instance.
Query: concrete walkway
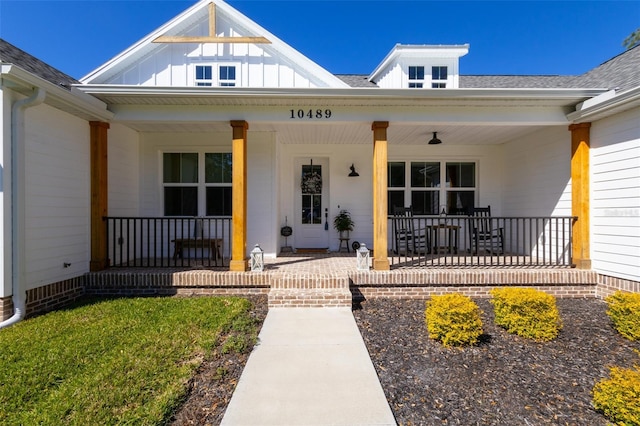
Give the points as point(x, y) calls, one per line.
point(310, 367)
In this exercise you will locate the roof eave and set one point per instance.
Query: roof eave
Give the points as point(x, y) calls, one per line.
point(566, 98)
point(74, 102)
point(610, 105)
point(350, 91)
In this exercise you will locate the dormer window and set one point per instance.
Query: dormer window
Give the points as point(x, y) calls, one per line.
point(438, 77)
point(215, 75)
point(416, 77)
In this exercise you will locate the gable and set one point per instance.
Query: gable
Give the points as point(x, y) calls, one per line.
point(213, 41)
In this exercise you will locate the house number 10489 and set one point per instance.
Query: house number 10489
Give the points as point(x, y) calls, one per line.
point(310, 113)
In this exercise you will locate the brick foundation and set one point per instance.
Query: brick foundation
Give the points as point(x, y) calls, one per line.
point(6, 307)
point(608, 285)
point(54, 296)
point(164, 283)
point(316, 285)
point(424, 292)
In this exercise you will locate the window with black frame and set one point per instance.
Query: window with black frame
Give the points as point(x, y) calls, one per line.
point(183, 184)
point(419, 184)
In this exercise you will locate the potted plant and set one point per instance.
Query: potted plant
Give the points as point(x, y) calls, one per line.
point(343, 223)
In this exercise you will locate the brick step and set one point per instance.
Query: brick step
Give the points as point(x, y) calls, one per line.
point(306, 298)
point(311, 281)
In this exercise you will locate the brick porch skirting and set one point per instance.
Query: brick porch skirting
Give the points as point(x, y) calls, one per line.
point(314, 288)
point(169, 282)
point(471, 282)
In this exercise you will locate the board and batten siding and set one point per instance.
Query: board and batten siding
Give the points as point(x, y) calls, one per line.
point(396, 75)
point(615, 195)
point(57, 189)
point(258, 65)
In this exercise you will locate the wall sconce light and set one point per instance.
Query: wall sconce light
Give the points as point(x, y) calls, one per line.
point(362, 258)
point(257, 259)
point(435, 140)
point(353, 171)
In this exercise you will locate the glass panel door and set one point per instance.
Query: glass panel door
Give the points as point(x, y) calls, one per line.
point(313, 229)
point(311, 188)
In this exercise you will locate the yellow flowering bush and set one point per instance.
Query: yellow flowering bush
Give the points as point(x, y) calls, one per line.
point(453, 319)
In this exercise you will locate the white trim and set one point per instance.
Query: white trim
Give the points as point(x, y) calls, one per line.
point(568, 95)
point(608, 105)
point(75, 102)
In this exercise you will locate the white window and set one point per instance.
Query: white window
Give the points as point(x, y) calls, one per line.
point(416, 77)
point(184, 185)
point(438, 77)
point(418, 184)
point(215, 75)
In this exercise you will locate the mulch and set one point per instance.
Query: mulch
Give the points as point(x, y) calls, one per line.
point(211, 388)
point(505, 380)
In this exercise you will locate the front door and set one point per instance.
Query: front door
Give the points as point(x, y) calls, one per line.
point(312, 202)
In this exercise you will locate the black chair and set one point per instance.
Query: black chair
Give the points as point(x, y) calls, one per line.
point(485, 232)
point(408, 239)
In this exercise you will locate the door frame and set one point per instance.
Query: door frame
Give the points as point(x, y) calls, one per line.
point(311, 236)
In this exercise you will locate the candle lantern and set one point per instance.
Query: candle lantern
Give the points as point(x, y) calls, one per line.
point(362, 258)
point(257, 259)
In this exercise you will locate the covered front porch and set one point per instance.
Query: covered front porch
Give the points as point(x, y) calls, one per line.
point(512, 151)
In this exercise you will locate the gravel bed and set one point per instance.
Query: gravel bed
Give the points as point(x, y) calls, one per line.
point(505, 380)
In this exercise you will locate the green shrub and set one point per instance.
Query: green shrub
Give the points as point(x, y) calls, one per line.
point(624, 311)
point(453, 319)
point(526, 312)
point(618, 397)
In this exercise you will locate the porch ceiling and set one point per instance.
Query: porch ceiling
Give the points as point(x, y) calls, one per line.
point(354, 133)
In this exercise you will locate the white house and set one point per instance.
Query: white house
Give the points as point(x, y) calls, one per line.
point(213, 117)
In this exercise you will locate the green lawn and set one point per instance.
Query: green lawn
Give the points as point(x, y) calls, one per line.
point(123, 361)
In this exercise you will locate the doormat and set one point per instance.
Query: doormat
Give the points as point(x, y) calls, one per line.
point(312, 250)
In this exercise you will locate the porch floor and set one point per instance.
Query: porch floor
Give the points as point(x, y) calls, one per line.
point(332, 279)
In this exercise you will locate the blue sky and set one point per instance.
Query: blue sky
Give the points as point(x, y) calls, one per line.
point(506, 37)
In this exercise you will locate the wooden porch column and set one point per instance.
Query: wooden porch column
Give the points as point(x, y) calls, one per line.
point(99, 198)
point(239, 197)
point(580, 143)
point(380, 258)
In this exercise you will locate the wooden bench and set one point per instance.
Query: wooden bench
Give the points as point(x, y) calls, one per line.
point(213, 244)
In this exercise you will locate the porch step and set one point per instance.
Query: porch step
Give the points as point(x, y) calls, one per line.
point(310, 290)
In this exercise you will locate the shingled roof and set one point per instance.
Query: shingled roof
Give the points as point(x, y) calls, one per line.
point(621, 72)
point(12, 55)
point(356, 80)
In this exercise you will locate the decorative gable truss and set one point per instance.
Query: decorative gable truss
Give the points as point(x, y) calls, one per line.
point(212, 45)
